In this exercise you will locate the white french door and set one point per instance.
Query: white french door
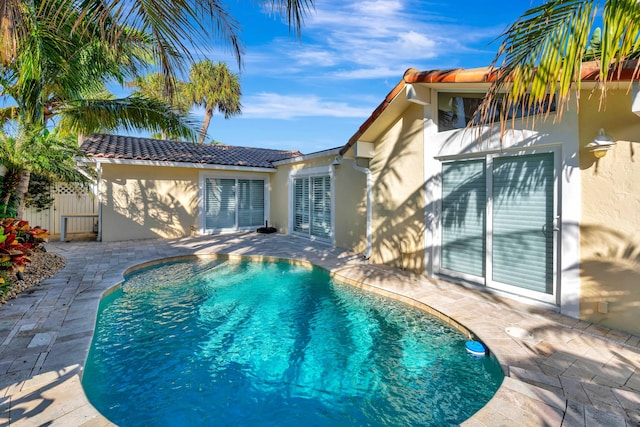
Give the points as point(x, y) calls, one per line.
point(312, 206)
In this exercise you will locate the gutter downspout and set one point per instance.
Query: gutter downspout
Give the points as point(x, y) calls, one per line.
point(99, 190)
point(635, 99)
point(367, 172)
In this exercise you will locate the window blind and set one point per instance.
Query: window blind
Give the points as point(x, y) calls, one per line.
point(226, 198)
point(463, 217)
point(523, 221)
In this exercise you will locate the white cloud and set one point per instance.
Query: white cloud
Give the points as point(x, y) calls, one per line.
point(366, 40)
point(367, 73)
point(277, 106)
point(314, 57)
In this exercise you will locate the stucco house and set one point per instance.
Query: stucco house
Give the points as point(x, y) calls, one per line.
point(533, 214)
point(152, 188)
point(536, 215)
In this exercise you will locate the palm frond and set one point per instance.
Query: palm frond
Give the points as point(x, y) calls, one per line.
point(7, 114)
point(620, 38)
point(131, 113)
point(540, 54)
point(294, 12)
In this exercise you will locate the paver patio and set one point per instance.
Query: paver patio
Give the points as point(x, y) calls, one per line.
point(559, 371)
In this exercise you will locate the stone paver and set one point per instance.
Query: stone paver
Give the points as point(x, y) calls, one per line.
point(562, 372)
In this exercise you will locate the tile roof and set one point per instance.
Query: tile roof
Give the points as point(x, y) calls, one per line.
point(588, 73)
point(101, 146)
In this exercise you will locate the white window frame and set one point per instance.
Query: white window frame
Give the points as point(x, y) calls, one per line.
point(310, 173)
point(554, 297)
point(249, 176)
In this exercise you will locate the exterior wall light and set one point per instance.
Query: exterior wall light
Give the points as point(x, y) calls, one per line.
point(601, 144)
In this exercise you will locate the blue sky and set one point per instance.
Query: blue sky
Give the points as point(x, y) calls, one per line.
point(313, 93)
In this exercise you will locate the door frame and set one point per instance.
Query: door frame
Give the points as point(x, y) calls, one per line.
point(202, 202)
point(486, 281)
point(310, 173)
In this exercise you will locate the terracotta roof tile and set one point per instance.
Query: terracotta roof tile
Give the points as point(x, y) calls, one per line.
point(589, 72)
point(133, 148)
point(457, 75)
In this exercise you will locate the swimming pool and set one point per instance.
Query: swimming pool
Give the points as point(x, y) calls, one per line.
point(219, 342)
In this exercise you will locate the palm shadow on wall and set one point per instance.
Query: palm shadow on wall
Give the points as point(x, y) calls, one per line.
point(148, 207)
point(406, 221)
point(399, 228)
point(610, 274)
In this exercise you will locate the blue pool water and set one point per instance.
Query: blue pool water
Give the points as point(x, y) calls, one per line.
point(221, 343)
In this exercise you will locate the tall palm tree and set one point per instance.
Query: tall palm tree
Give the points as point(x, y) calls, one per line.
point(214, 86)
point(40, 41)
point(543, 51)
point(153, 86)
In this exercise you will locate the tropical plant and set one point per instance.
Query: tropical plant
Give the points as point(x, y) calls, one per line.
point(57, 55)
point(153, 86)
point(18, 240)
point(61, 71)
point(211, 85)
point(543, 51)
point(176, 27)
point(43, 152)
point(39, 193)
point(214, 87)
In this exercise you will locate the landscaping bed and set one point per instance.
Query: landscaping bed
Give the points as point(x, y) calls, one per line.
point(42, 266)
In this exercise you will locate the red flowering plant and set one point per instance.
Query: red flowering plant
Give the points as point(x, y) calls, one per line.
point(18, 240)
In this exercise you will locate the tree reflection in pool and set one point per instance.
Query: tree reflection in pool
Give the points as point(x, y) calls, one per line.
point(211, 342)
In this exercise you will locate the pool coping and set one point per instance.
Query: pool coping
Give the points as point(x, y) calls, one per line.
point(568, 373)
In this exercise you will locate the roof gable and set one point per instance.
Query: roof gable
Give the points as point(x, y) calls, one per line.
point(102, 146)
point(589, 72)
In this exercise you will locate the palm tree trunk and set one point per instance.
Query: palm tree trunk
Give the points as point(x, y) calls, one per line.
point(10, 182)
point(205, 125)
point(22, 192)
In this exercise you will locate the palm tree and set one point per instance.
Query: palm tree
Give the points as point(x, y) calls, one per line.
point(153, 86)
point(177, 27)
point(45, 153)
point(214, 86)
point(41, 42)
point(543, 51)
point(62, 73)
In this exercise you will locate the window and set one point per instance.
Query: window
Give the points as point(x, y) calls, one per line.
point(312, 206)
point(456, 110)
point(220, 203)
point(231, 203)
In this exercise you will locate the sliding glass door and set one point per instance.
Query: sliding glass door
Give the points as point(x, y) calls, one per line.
point(498, 224)
point(233, 203)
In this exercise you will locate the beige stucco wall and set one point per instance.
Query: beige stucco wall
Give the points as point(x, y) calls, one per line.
point(143, 202)
point(279, 208)
point(609, 228)
point(349, 200)
point(398, 196)
point(350, 206)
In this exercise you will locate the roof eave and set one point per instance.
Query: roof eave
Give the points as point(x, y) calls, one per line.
point(210, 166)
point(477, 78)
